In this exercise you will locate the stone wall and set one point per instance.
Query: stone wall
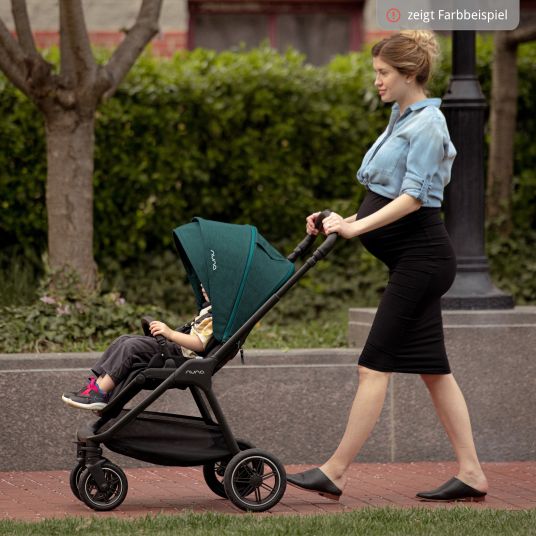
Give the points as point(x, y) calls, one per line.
point(293, 404)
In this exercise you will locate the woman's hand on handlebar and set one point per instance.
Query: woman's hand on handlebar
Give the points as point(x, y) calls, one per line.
point(311, 221)
point(334, 223)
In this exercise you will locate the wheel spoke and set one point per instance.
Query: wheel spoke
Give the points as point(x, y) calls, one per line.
point(268, 475)
point(268, 488)
point(246, 491)
point(249, 470)
point(257, 495)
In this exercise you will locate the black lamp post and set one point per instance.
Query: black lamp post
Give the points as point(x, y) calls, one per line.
point(464, 107)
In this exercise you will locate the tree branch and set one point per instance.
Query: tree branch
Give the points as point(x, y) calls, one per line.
point(10, 45)
point(67, 68)
point(525, 32)
point(22, 25)
point(12, 72)
point(12, 60)
point(74, 29)
point(145, 28)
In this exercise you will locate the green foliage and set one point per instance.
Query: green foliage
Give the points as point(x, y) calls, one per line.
point(19, 275)
point(513, 263)
point(69, 318)
point(253, 137)
point(243, 136)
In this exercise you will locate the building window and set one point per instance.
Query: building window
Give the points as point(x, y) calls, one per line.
point(318, 28)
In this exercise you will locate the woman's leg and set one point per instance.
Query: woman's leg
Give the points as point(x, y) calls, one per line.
point(452, 411)
point(364, 414)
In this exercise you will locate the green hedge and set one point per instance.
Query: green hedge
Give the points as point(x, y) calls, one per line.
point(253, 137)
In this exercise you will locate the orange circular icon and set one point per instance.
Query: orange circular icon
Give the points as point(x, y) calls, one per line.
point(393, 15)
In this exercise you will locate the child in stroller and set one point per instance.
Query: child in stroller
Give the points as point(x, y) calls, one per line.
point(117, 361)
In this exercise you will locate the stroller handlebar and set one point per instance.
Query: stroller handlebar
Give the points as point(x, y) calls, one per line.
point(302, 248)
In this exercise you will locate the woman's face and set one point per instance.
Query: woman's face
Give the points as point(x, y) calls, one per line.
point(391, 84)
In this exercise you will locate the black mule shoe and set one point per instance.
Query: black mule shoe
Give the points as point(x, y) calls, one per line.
point(453, 490)
point(316, 481)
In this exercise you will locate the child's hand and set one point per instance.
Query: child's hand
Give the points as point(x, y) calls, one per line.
point(159, 328)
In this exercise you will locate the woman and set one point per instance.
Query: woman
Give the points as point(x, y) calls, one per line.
point(399, 222)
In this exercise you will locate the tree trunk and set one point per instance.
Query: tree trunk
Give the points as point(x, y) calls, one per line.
point(503, 126)
point(70, 148)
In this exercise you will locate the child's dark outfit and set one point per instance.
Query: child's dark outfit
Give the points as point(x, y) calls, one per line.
point(118, 359)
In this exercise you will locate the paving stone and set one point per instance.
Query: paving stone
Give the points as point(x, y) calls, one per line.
point(33, 496)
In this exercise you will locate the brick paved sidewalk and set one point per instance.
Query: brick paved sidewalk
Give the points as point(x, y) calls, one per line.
point(46, 494)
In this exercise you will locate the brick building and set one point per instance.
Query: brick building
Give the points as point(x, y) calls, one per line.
point(319, 28)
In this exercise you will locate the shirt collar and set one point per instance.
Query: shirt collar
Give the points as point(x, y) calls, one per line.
point(417, 105)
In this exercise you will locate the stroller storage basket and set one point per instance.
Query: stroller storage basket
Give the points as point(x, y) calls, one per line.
point(167, 439)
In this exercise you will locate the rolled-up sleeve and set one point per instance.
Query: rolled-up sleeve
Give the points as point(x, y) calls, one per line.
point(427, 149)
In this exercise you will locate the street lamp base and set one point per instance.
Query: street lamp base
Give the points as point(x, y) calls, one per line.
point(475, 290)
point(499, 301)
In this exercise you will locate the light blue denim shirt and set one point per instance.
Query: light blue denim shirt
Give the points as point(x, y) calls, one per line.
point(413, 156)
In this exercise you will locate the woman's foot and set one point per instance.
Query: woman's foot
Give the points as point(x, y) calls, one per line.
point(452, 490)
point(476, 480)
point(316, 481)
point(338, 477)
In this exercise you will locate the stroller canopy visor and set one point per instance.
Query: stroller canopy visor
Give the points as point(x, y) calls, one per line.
point(238, 268)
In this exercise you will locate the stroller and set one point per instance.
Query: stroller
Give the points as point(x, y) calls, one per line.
point(245, 277)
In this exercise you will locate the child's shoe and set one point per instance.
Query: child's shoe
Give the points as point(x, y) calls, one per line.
point(90, 397)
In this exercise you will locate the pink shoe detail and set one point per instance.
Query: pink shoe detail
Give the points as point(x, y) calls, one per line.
point(91, 386)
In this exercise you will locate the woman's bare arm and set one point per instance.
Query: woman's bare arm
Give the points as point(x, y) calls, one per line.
point(351, 227)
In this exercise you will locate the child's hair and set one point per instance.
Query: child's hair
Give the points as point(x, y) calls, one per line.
point(411, 52)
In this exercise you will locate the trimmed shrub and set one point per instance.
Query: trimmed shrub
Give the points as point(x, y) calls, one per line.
point(243, 136)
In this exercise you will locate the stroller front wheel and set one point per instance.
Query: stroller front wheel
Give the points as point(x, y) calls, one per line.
point(213, 473)
point(106, 500)
point(255, 480)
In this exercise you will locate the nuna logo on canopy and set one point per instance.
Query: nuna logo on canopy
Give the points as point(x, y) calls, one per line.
point(213, 259)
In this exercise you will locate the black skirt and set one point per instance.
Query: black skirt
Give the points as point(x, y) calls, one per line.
point(407, 332)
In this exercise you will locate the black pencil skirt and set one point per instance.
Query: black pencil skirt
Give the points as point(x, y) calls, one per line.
point(407, 332)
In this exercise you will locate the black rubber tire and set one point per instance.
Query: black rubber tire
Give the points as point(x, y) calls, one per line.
point(211, 472)
point(255, 480)
point(74, 478)
point(214, 472)
point(104, 501)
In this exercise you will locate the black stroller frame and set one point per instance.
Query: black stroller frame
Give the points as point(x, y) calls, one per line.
point(253, 479)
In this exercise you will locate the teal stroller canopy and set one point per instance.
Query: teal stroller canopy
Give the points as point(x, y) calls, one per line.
point(238, 268)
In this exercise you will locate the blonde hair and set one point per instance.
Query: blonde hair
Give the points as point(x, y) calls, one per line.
point(411, 52)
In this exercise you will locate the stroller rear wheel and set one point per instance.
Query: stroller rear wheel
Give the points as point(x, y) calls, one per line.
point(214, 472)
point(108, 499)
point(255, 480)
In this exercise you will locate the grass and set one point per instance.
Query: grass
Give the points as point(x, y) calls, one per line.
point(457, 521)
